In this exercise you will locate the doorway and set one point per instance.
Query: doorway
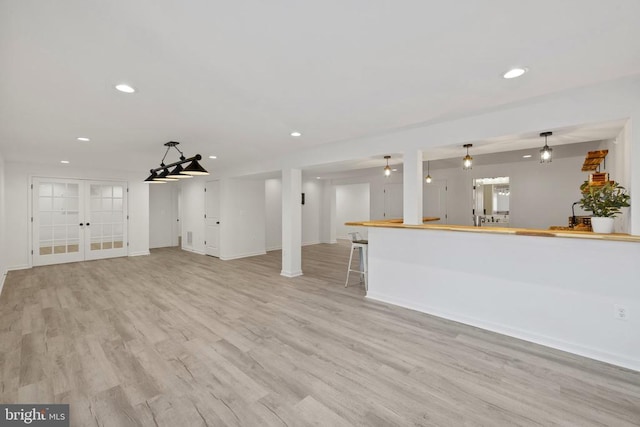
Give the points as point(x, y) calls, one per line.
point(212, 218)
point(434, 200)
point(77, 220)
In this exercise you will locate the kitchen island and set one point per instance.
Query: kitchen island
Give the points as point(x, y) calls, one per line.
point(574, 291)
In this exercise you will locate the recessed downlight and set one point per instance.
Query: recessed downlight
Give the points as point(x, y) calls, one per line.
point(317, 177)
point(64, 162)
point(83, 139)
point(213, 157)
point(125, 88)
point(514, 72)
point(296, 134)
point(526, 156)
point(394, 170)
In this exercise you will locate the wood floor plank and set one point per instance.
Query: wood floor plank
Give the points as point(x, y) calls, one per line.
point(177, 339)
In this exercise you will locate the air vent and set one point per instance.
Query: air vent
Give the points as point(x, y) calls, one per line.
point(190, 238)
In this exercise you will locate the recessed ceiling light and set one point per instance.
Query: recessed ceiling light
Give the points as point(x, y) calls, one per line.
point(514, 72)
point(296, 134)
point(317, 177)
point(66, 162)
point(394, 170)
point(125, 88)
point(213, 157)
point(82, 138)
point(526, 156)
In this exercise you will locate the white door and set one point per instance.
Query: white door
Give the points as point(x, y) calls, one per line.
point(434, 200)
point(393, 200)
point(212, 218)
point(76, 220)
point(58, 221)
point(105, 230)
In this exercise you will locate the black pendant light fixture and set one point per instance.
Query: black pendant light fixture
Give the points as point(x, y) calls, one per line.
point(161, 174)
point(387, 169)
point(467, 161)
point(427, 178)
point(545, 152)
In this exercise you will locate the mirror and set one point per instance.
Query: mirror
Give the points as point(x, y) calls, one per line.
point(491, 199)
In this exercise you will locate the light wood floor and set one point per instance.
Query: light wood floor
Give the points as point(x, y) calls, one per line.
point(177, 339)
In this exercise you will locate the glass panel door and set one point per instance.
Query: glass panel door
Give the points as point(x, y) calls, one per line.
point(106, 229)
point(57, 221)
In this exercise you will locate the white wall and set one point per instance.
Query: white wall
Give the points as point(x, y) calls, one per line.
point(553, 291)
point(3, 239)
point(192, 199)
point(352, 204)
point(17, 199)
point(273, 213)
point(163, 215)
point(243, 218)
point(312, 212)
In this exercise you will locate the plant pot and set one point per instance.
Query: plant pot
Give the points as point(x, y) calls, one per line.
point(602, 225)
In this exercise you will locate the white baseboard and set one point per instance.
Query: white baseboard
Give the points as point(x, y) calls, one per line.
point(291, 273)
point(279, 248)
point(2, 279)
point(195, 251)
point(139, 253)
point(570, 347)
point(246, 255)
point(19, 267)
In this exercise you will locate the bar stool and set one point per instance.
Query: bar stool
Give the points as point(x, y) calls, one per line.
point(362, 245)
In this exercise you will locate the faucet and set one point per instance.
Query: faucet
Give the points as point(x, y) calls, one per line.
point(478, 220)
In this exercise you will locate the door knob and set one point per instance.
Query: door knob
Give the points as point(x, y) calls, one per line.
point(88, 224)
point(217, 222)
point(81, 224)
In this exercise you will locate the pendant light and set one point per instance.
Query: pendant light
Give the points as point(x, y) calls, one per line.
point(467, 161)
point(177, 172)
point(161, 174)
point(152, 179)
point(427, 179)
point(387, 169)
point(545, 152)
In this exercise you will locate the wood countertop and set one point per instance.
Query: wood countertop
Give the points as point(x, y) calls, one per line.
point(397, 223)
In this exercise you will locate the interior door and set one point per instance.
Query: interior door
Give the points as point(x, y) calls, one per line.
point(212, 218)
point(58, 222)
point(434, 200)
point(105, 231)
point(393, 199)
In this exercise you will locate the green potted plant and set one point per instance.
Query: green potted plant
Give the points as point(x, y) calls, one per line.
point(605, 202)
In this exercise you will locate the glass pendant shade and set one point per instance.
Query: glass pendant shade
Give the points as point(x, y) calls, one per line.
point(428, 179)
point(195, 168)
point(387, 169)
point(545, 152)
point(467, 161)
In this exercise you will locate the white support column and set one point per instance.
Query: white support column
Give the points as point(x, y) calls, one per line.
point(291, 223)
point(412, 187)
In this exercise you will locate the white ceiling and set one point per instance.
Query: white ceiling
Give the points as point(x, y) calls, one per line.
point(235, 78)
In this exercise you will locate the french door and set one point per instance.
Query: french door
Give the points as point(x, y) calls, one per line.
point(77, 220)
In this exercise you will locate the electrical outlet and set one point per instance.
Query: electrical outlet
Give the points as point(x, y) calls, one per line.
point(620, 312)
